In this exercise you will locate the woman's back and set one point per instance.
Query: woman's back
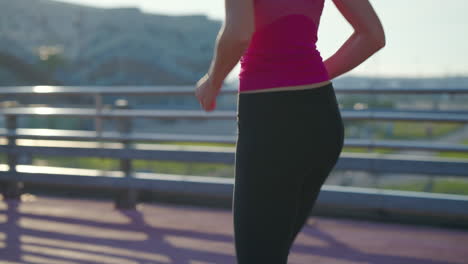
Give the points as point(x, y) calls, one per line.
point(282, 51)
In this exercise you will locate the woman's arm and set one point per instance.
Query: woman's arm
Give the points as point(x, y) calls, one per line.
point(232, 40)
point(368, 37)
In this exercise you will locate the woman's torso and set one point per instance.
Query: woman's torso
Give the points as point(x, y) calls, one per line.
point(282, 53)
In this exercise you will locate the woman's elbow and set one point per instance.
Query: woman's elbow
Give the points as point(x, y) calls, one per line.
point(379, 39)
point(371, 40)
point(375, 40)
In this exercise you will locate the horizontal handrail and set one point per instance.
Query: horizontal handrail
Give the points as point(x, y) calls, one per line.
point(434, 116)
point(190, 89)
point(65, 134)
point(393, 163)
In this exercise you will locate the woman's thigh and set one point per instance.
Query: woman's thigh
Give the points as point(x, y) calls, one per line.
point(265, 202)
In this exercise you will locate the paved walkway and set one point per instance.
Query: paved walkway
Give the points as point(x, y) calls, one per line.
point(52, 230)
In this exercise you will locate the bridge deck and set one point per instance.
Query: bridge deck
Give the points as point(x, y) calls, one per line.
point(76, 231)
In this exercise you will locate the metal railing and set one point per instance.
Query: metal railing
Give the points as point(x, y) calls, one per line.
point(79, 143)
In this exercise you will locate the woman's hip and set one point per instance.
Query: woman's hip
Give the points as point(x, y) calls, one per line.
point(305, 122)
point(290, 111)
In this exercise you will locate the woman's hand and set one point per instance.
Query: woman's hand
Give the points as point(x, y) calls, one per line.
point(206, 93)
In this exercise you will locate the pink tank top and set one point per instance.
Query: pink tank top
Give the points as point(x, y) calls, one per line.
point(282, 51)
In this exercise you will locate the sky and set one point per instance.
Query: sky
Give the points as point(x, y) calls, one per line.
point(424, 38)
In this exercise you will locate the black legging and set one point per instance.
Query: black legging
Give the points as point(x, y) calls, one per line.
point(287, 144)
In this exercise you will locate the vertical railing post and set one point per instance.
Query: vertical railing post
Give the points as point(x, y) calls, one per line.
point(12, 188)
point(98, 119)
point(128, 197)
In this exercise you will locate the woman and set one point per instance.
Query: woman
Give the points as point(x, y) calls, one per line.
point(290, 131)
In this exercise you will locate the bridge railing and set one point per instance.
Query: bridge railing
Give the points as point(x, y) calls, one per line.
point(120, 144)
